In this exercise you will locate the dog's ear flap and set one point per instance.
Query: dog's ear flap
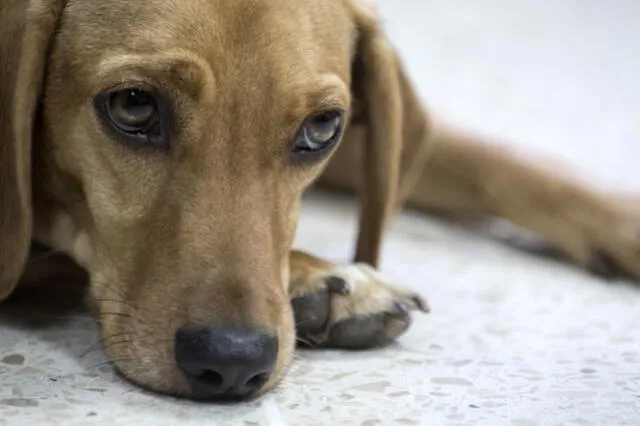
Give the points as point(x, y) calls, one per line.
point(26, 29)
point(392, 113)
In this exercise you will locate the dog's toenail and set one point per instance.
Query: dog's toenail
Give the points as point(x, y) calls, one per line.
point(401, 308)
point(338, 285)
point(421, 304)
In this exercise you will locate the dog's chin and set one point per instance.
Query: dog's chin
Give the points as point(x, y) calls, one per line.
point(178, 391)
point(143, 353)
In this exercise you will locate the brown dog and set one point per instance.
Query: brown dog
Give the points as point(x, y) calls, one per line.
point(164, 146)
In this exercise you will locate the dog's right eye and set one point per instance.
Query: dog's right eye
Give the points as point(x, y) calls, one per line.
point(133, 114)
point(132, 110)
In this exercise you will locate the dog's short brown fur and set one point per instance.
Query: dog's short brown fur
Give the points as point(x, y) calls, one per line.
point(201, 233)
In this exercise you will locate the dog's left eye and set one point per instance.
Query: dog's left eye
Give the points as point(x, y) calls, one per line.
point(319, 132)
point(134, 115)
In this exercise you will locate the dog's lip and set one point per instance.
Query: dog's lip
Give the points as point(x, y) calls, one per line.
point(179, 390)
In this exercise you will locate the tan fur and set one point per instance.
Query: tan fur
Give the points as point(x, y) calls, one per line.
point(469, 176)
point(202, 234)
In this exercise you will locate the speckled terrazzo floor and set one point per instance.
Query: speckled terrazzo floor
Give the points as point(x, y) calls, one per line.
point(513, 339)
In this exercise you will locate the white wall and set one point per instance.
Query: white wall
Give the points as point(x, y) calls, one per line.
point(557, 77)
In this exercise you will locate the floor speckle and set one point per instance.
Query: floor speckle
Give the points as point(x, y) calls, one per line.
point(14, 359)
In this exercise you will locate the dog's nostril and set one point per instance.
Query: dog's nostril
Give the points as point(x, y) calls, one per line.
point(257, 381)
point(212, 377)
point(225, 362)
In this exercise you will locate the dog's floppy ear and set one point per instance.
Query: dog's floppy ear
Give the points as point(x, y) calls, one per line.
point(26, 29)
point(392, 114)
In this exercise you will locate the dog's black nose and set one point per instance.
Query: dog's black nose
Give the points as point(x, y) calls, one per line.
point(225, 362)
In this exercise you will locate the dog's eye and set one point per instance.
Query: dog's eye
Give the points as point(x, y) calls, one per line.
point(134, 115)
point(319, 132)
point(132, 110)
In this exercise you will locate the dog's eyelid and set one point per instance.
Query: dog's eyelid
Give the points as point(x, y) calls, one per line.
point(141, 84)
point(323, 101)
point(327, 107)
point(329, 91)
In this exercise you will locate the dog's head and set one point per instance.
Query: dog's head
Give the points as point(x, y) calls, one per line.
point(165, 145)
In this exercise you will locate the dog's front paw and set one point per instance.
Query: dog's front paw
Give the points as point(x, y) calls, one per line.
point(352, 307)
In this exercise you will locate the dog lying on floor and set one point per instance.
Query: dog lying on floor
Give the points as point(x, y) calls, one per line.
point(164, 147)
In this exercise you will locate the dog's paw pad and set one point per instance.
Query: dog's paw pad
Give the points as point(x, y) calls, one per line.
point(371, 330)
point(354, 307)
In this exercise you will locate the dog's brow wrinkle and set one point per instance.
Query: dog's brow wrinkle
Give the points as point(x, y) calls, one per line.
point(190, 70)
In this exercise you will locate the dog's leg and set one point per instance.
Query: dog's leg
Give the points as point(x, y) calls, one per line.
point(598, 230)
point(347, 306)
point(470, 176)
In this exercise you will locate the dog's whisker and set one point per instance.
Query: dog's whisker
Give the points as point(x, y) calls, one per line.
point(116, 301)
point(111, 362)
point(118, 314)
point(108, 346)
point(121, 297)
point(112, 289)
point(125, 315)
point(116, 343)
point(99, 365)
point(303, 340)
point(101, 341)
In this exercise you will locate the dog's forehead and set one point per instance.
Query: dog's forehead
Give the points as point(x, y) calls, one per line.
point(261, 32)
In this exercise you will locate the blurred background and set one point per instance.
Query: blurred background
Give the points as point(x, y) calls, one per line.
point(558, 77)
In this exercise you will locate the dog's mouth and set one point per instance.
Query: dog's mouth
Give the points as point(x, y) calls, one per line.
point(198, 397)
point(213, 363)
